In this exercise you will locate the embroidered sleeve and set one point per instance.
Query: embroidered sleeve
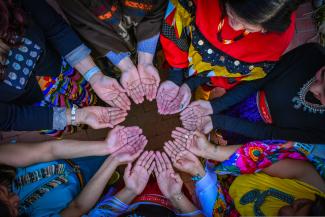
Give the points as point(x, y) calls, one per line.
point(110, 206)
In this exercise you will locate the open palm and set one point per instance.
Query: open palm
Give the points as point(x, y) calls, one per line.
point(137, 178)
point(169, 182)
point(131, 151)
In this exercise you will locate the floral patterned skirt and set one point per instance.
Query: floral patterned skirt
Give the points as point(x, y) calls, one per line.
point(249, 158)
point(63, 91)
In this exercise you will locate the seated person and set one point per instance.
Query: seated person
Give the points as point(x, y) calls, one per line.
point(35, 182)
point(286, 185)
point(37, 87)
point(288, 104)
point(221, 43)
point(120, 30)
point(137, 198)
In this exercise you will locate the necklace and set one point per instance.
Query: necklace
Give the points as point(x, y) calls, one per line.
point(300, 100)
point(228, 41)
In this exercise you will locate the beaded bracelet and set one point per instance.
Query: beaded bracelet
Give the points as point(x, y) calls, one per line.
point(196, 178)
point(91, 72)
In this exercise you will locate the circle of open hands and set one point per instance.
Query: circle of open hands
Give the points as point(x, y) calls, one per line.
point(128, 143)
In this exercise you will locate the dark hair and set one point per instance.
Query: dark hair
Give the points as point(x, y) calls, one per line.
point(4, 210)
point(318, 207)
point(12, 24)
point(7, 175)
point(272, 15)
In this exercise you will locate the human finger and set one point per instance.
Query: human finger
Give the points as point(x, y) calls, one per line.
point(152, 166)
point(147, 157)
point(125, 99)
point(161, 160)
point(158, 164)
point(134, 95)
point(127, 171)
point(141, 158)
point(149, 161)
point(167, 161)
point(169, 153)
point(171, 149)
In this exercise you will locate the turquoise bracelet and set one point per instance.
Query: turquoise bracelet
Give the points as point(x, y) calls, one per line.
point(196, 178)
point(91, 72)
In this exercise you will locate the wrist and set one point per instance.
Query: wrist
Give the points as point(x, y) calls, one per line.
point(175, 198)
point(198, 171)
point(78, 116)
point(126, 65)
point(95, 78)
point(211, 151)
point(145, 58)
point(113, 160)
point(130, 192)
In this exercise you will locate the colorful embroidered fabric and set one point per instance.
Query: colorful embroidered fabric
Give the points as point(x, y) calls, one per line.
point(64, 91)
point(41, 191)
point(255, 156)
point(31, 177)
point(189, 40)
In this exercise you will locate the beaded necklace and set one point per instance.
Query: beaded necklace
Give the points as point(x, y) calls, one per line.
point(257, 197)
point(300, 100)
point(228, 41)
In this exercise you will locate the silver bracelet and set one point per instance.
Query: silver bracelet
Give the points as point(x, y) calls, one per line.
point(73, 115)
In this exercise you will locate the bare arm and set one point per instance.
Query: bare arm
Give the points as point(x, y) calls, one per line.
point(91, 193)
point(296, 169)
point(25, 154)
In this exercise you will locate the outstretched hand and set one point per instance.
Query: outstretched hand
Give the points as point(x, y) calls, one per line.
point(169, 182)
point(137, 178)
point(100, 117)
point(120, 136)
point(131, 151)
point(150, 80)
point(183, 159)
point(197, 116)
point(195, 142)
point(167, 92)
point(181, 101)
point(110, 91)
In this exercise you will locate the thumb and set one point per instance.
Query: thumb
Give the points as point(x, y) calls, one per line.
point(198, 134)
point(127, 171)
point(118, 86)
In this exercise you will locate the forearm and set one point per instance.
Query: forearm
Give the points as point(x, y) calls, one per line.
point(220, 153)
point(85, 65)
point(183, 204)
point(126, 64)
point(25, 154)
point(145, 58)
point(91, 193)
point(125, 195)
